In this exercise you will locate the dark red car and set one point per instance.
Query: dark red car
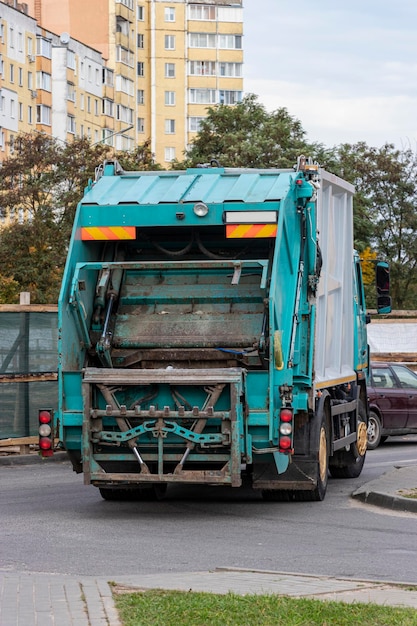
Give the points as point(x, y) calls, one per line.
point(392, 402)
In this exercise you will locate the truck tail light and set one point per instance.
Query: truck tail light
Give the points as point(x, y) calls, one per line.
point(45, 431)
point(286, 430)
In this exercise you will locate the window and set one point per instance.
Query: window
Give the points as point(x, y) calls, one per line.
point(230, 42)
point(125, 85)
point(71, 92)
point(231, 69)
point(20, 41)
point(82, 101)
point(88, 104)
point(169, 14)
point(124, 114)
point(123, 55)
point(169, 42)
point(170, 98)
point(70, 59)
point(141, 125)
point(140, 69)
point(169, 70)
point(108, 107)
point(169, 127)
point(169, 154)
point(20, 112)
point(43, 114)
point(127, 3)
point(71, 124)
point(202, 40)
point(141, 13)
point(194, 124)
point(11, 73)
point(202, 96)
point(96, 107)
point(122, 26)
point(43, 81)
point(201, 12)
point(30, 80)
point(30, 115)
point(108, 77)
point(11, 37)
point(20, 72)
point(43, 47)
point(229, 97)
point(140, 41)
point(12, 108)
point(140, 98)
point(202, 68)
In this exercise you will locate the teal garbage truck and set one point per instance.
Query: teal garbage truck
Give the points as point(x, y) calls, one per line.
point(212, 330)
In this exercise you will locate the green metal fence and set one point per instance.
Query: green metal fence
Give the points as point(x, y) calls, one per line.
point(28, 367)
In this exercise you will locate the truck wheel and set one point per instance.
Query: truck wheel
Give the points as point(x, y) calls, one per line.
point(349, 463)
point(322, 468)
point(374, 431)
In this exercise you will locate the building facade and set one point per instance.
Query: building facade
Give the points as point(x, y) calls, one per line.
point(49, 83)
point(165, 63)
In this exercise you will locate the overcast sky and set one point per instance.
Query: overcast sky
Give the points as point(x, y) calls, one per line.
point(346, 69)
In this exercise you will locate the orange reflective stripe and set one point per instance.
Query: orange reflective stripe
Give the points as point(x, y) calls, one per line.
point(94, 233)
point(242, 231)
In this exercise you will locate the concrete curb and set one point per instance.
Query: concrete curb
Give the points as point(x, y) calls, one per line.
point(386, 490)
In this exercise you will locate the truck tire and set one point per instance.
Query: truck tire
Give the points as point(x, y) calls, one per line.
point(374, 431)
point(322, 467)
point(349, 463)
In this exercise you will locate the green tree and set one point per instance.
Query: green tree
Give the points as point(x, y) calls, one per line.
point(246, 135)
point(43, 180)
point(385, 215)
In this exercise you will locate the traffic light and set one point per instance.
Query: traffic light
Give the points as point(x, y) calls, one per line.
point(45, 430)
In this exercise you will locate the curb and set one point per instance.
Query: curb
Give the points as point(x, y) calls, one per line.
point(395, 503)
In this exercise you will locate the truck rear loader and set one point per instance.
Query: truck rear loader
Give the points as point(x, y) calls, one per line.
point(212, 330)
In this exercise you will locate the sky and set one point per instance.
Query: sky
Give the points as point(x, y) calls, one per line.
point(346, 69)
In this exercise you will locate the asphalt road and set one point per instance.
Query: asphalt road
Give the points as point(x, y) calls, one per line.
point(51, 522)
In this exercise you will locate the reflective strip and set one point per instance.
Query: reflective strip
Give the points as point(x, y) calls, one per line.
point(242, 231)
point(250, 217)
point(94, 233)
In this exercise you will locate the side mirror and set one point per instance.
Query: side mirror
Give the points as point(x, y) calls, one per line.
point(383, 288)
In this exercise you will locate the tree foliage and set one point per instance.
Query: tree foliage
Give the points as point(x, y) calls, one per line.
point(385, 216)
point(246, 135)
point(40, 186)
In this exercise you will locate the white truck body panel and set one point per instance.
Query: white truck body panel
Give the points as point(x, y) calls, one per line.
point(334, 345)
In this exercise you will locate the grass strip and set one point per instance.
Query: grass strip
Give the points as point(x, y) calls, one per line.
point(174, 608)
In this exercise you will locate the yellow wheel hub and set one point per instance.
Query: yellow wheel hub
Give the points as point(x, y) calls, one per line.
point(362, 438)
point(323, 455)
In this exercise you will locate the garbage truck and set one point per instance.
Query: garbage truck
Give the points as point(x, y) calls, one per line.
point(212, 331)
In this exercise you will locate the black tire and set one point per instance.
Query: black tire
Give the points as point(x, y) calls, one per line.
point(374, 431)
point(349, 463)
point(322, 467)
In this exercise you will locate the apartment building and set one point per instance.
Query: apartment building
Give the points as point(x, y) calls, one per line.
point(169, 61)
point(49, 83)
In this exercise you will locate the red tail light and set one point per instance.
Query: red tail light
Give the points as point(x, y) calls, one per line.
point(45, 431)
point(286, 427)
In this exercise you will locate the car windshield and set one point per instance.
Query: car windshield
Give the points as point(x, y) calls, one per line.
point(406, 377)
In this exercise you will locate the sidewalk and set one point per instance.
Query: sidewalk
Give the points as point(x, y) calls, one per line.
point(59, 600)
